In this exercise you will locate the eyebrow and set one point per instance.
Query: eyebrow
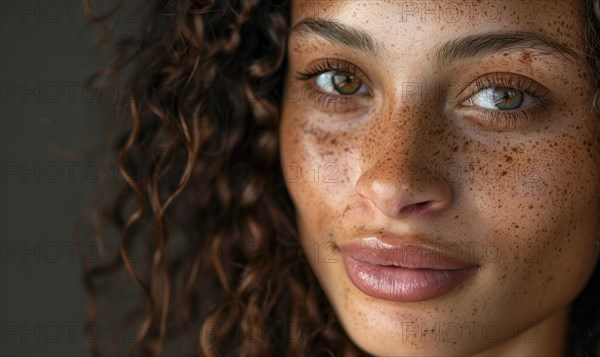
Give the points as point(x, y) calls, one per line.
point(474, 46)
point(342, 34)
point(471, 46)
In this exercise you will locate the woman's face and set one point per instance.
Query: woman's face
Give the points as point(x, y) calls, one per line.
point(442, 161)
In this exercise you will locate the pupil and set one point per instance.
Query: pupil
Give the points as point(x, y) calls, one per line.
point(508, 98)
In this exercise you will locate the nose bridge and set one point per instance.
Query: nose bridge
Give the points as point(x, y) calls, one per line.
point(411, 109)
point(409, 141)
point(400, 175)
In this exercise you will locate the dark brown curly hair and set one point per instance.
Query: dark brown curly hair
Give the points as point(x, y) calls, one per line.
point(205, 225)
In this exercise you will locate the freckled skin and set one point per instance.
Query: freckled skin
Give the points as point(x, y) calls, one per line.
point(523, 202)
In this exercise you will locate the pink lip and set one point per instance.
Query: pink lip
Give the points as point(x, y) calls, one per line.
point(402, 271)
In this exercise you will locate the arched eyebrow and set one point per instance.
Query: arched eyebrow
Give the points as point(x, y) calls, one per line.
point(463, 48)
point(476, 46)
point(340, 34)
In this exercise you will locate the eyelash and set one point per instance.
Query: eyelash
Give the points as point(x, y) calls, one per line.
point(326, 66)
point(334, 102)
point(509, 118)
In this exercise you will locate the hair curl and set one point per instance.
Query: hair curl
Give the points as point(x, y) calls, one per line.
point(204, 198)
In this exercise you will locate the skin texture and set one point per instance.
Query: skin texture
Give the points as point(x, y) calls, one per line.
point(522, 201)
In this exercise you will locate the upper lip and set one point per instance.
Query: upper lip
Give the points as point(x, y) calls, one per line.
point(405, 252)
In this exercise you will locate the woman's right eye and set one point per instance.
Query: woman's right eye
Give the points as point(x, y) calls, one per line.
point(340, 83)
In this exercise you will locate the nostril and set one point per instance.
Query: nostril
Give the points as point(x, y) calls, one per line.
point(399, 195)
point(416, 208)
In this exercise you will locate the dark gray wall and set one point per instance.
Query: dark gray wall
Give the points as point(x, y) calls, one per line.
point(48, 118)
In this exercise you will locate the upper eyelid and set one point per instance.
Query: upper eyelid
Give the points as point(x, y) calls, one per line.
point(536, 99)
point(511, 80)
point(333, 64)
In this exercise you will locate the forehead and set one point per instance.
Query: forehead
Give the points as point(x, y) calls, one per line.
point(416, 22)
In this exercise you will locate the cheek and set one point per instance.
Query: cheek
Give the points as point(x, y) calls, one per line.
point(318, 168)
point(540, 204)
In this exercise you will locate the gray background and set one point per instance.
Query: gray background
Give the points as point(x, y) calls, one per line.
point(49, 119)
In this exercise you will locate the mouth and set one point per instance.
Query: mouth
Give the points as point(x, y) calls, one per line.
point(403, 271)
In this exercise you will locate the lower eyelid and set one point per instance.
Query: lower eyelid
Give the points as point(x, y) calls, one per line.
point(517, 119)
point(330, 102)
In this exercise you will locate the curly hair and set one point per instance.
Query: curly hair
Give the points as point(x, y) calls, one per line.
point(204, 199)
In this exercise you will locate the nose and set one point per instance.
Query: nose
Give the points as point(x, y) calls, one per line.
point(402, 190)
point(402, 177)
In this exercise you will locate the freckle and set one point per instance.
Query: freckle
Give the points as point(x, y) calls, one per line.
point(526, 58)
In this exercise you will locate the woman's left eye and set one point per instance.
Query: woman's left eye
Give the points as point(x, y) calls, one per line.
point(500, 98)
point(340, 82)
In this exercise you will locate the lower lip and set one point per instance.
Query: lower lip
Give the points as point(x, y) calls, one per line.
point(402, 284)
